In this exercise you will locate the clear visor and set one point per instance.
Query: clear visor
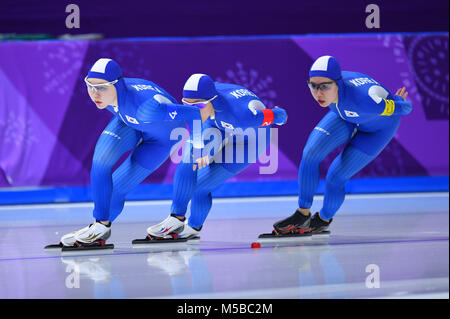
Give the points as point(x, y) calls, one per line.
point(200, 104)
point(99, 87)
point(324, 86)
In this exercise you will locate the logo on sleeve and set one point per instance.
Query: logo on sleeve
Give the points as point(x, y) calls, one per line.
point(351, 114)
point(254, 105)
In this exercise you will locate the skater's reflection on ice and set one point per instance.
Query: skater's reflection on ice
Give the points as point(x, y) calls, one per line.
point(96, 270)
point(187, 269)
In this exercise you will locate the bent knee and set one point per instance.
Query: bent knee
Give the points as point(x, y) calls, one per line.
point(336, 179)
point(100, 167)
point(312, 154)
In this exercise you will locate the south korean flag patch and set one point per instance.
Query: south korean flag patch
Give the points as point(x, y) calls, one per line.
point(351, 114)
point(227, 125)
point(131, 119)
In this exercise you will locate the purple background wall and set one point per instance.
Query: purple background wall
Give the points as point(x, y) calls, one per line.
point(151, 18)
point(49, 126)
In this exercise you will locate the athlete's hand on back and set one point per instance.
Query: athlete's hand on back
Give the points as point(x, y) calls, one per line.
point(280, 116)
point(406, 108)
point(402, 92)
point(201, 162)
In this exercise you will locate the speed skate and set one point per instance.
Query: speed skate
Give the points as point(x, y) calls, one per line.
point(291, 233)
point(297, 226)
point(92, 237)
point(298, 233)
point(170, 231)
point(100, 245)
point(276, 236)
point(152, 240)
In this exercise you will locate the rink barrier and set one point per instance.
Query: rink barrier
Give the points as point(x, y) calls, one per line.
point(13, 196)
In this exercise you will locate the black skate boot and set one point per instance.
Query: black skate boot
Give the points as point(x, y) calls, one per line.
point(318, 225)
point(294, 224)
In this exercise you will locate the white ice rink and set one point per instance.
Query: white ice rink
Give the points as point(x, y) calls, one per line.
point(381, 246)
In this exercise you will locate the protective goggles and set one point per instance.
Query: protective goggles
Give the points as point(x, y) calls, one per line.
point(324, 86)
point(99, 87)
point(200, 104)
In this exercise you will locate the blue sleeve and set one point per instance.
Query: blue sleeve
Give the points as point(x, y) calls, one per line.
point(265, 117)
point(153, 111)
point(388, 107)
point(379, 101)
point(251, 119)
point(396, 107)
point(246, 115)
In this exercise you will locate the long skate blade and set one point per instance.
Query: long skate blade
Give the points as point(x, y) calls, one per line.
point(324, 233)
point(194, 240)
point(158, 241)
point(288, 238)
point(54, 247)
point(87, 248)
point(160, 244)
point(278, 236)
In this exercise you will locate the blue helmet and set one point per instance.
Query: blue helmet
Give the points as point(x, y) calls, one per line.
point(326, 66)
point(199, 86)
point(108, 70)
